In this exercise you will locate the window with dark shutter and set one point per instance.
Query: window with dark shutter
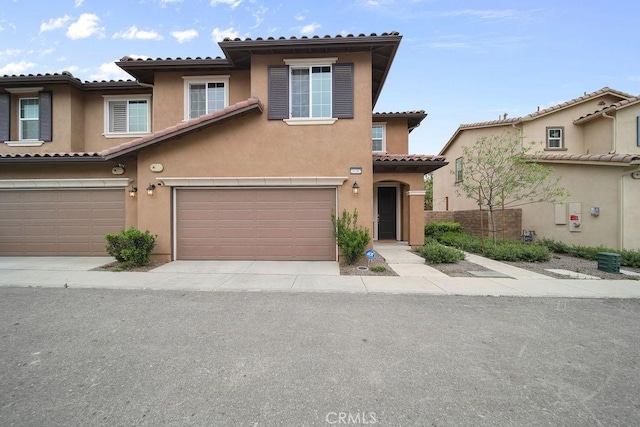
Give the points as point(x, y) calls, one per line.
point(5, 117)
point(343, 91)
point(278, 103)
point(45, 118)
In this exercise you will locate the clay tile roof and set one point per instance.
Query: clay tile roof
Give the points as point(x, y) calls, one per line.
point(585, 97)
point(183, 128)
point(236, 110)
point(600, 158)
point(91, 156)
point(612, 107)
point(414, 118)
point(489, 123)
point(407, 158)
point(422, 163)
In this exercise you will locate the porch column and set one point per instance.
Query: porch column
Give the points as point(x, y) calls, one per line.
point(416, 215)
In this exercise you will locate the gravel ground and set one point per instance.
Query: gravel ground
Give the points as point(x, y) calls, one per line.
point(353, 270)
point(557, 261)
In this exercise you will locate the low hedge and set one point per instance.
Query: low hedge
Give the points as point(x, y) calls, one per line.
point(435, 229)
point(435, 253)
point(628, 258)
point(131, 247)
point(514, 251)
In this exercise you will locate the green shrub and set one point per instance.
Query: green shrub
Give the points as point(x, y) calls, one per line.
point(435, 229)
point(464, 242)
point(630, 258)
point(378, 268)
point(554, 245)
point(516, 251)
point(350, 237)
point(131, 247)
point(435, 253)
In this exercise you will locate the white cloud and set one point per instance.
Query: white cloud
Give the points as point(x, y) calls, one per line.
point(184, 36)
point(219, 35)
point(110, 71)
point(164, 3)
point(134, 33)
point(54, 23)
point(10, 52)
point(16, 68)
point(259, 16)
point(86, 26)
point(483, 14)
point(79, 3)
point(299, 17)
point(231, 3)
point(309, 29)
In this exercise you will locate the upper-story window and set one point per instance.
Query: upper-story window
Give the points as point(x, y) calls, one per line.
point(29, 119)
point(31, 124)
point(458, 170)
point(124, 116)
point(555, 137)
point(378, 141)
point(205, 95)
point(310, 91)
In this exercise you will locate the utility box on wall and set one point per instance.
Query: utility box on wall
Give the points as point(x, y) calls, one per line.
point(575, 216)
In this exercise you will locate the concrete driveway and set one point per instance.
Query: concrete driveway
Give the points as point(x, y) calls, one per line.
point(76, 263)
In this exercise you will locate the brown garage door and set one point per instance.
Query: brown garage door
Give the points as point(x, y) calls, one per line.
point(255, 224)
point(59, 222)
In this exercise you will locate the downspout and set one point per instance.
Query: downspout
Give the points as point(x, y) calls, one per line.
point(621, 205)
point(614, 143)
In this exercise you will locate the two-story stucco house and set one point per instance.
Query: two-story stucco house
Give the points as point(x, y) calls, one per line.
point(593, 144)
point(241, 157)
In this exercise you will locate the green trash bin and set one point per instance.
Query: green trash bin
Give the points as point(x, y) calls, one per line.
point(609, 262)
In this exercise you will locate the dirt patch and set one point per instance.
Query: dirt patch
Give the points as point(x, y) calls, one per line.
point(115, 266)
point(354, 270)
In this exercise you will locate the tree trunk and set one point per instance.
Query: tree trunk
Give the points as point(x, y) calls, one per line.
point(492, 224)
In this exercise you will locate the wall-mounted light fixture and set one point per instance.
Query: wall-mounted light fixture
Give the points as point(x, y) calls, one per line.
point(355, 187)
point(150, 189)
point(133, 191)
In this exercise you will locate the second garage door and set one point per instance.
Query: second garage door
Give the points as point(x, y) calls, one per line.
point(255, 224)
point(59, 222)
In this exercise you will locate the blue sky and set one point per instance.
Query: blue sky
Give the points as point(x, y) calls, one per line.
point(460, 61)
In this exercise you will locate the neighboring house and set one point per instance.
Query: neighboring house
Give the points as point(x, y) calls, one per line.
point(593, 144)
point(242, 157)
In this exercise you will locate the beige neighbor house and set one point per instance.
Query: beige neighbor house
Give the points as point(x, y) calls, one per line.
point(241, 157)
point(593, 144)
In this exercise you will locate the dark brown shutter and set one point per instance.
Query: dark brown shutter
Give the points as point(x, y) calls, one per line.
point(343, 91)
point(45, 119)
point(278, 103)
point(5, 117)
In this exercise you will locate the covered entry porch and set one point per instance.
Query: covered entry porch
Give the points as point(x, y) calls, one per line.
point(398, 196)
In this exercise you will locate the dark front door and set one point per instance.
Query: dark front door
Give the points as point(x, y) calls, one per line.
point(386, 213)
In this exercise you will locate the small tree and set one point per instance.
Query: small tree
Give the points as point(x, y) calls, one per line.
point(350, 237)
point(428, 192)
point(499, 172)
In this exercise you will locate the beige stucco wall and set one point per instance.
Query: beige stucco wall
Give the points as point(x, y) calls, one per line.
point(627, 130)
point(598, 136)
point(592, 186)
point(62, 129)
point(254, 146)
point(397, 136)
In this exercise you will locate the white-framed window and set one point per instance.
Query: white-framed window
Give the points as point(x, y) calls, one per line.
point(127, 115)
point(378, 138)
point(29, 119)
point(205, 95)
point(311, 91)
point(458, 171)
point(555, 137)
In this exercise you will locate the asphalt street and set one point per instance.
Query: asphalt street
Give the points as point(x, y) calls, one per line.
point(97, 357)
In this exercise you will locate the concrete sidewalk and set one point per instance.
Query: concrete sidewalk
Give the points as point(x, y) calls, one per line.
point(414, 277)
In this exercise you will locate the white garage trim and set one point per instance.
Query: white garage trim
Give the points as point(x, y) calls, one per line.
point(43, 184)
point(257, 181)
